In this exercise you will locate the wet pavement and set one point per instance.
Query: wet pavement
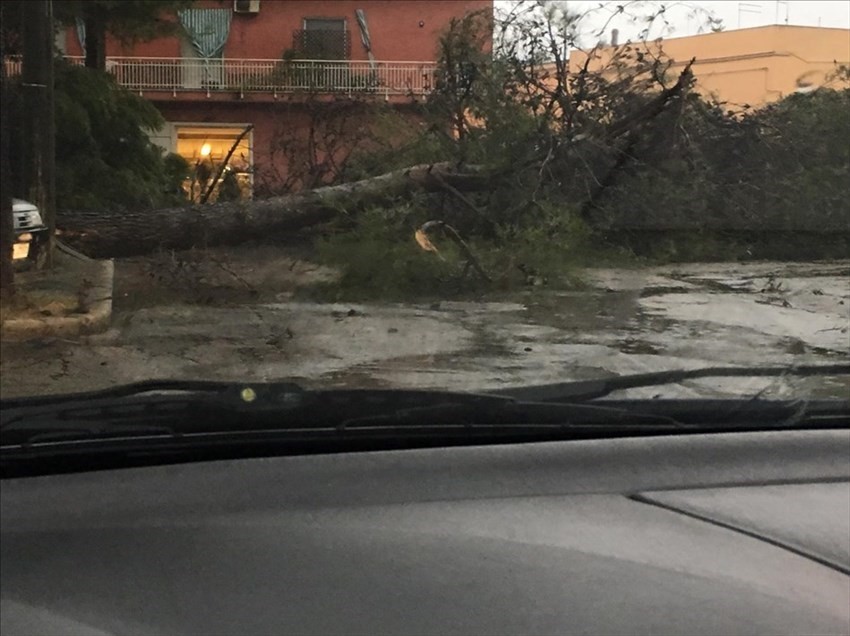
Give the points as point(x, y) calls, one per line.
point(625, 321)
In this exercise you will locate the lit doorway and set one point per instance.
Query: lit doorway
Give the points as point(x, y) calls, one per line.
point(206, 147)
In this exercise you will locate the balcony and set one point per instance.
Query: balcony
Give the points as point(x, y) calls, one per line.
point(238, 77)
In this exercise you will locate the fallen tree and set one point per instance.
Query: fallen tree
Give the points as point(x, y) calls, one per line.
point(129, 233)
point(532, 142)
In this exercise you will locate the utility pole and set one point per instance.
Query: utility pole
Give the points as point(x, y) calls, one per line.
point(39, 153)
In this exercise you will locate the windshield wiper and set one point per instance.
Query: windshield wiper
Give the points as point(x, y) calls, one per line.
point(194, 387)
point(180, 409)
point(585, 390)
point(572, 391)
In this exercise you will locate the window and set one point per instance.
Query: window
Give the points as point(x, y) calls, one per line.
point(205, 148)
point(323, 39)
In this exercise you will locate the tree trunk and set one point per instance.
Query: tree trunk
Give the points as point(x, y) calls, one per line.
point(37, 83)
point(95, 42)
point(7, 232)
point(48, 203)
point(110, 234)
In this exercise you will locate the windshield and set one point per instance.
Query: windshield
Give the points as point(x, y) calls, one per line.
point(475, 195)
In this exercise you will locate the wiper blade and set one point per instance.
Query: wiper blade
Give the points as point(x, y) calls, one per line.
point(584, 390)
point(187, 408)
point(147, 401)
point(195, 387)
point(175, 409)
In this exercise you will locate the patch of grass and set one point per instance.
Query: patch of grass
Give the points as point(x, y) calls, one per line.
point(660, 247)
point(696, 247)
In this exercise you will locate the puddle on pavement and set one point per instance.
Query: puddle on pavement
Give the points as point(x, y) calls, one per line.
point(638, 346)
point(662, 290)
point(584, 311)
point(731, 286)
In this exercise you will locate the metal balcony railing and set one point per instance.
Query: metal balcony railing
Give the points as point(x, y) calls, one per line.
point(149, 74)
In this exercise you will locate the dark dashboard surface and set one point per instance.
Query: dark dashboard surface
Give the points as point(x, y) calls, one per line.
point(715, 534)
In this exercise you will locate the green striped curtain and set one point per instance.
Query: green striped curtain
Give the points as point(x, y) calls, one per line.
point(208, 29)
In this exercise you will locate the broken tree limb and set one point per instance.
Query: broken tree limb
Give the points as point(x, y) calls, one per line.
point(654, 107)
point(470, 260)
point(129, 233)
point(630, 125)
point(460, 196)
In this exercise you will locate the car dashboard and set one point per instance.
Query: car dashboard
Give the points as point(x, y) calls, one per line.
point(737, 533)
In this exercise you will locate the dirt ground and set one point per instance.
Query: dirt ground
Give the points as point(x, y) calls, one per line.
point(234, 314)
point(61, 291)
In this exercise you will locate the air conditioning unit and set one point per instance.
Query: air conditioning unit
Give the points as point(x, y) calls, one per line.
point(246, 6)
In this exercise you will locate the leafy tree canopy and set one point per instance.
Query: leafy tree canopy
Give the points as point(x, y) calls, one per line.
point(127, 20)
point(104, 158)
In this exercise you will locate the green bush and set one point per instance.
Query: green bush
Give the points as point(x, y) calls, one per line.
point(546, 251)
point(379, 258)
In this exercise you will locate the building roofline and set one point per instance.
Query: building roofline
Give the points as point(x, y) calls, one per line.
point(754, 28)
point(716, 33)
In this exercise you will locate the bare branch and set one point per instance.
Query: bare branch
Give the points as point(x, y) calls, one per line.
point(224, 163)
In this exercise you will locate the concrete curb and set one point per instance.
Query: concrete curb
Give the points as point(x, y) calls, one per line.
point(95, 321)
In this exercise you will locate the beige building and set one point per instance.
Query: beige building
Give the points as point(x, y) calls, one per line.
point(754, 66)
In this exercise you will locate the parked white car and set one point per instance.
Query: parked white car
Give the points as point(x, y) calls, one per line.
point(30, 231)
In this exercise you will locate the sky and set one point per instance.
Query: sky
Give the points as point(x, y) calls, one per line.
point(752, 13)
point(834, 13)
